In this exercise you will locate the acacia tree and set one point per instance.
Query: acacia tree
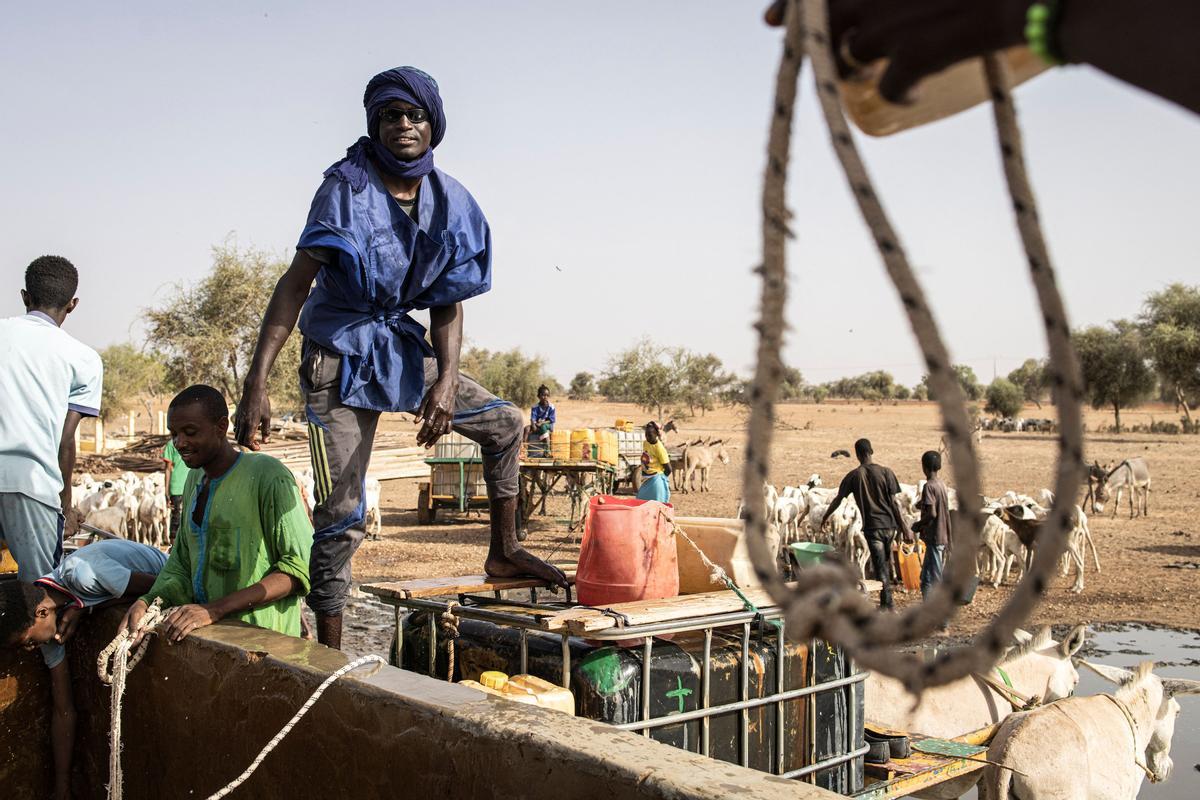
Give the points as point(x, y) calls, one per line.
point(1170, 325)
point(966, 379)
point(699, 380)
point(509, 374)
point(206, 332)
point(128, 374)
point(583, 386)
point(1031, 378)
point(1004, 398)
point(640, 375)
point(1113, 362)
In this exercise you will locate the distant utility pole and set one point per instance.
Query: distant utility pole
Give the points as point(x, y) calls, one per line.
point(993, 368)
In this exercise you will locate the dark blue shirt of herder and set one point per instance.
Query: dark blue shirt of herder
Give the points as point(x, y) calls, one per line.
point(384, 265)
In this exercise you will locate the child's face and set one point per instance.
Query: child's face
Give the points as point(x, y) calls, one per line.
point(45, 625)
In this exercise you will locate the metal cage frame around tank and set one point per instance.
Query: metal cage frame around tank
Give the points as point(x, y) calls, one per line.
point(482, 608)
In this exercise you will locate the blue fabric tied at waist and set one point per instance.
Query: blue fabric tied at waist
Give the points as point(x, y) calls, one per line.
point(392, 374)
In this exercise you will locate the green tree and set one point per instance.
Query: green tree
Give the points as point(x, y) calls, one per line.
point(921, 391)
point(206, 331)
point(791, 387)
point(1170, 324)
point(509, 374)
point(640, 375)
point(699, 380)
point(1004, 398)
point(1031, 378)
point(966, 379)
point(1113, 361)
point(130, 374)
point(903, 392)
point(583, 386)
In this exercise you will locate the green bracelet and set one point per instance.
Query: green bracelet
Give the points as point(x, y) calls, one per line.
point(1041, 29)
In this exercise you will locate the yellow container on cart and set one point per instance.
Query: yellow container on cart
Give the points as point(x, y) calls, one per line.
point(607, 449)
point(583, 444)
point(560, 444)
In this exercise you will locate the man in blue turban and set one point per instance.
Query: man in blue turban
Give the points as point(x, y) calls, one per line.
point(387, 233)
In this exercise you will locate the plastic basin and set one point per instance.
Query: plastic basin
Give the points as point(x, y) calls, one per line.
point(808, 553)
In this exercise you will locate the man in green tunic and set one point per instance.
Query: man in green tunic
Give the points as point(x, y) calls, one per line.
point(242, 548)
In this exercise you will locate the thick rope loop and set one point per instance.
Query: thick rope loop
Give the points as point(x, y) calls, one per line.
point(826, 601)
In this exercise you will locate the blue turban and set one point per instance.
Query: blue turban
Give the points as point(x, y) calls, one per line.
point(410, 85)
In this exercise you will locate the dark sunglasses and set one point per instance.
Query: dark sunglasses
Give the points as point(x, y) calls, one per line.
point(393, 115)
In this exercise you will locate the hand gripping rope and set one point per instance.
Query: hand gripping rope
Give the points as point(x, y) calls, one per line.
point(825, 601)
point(113, 666)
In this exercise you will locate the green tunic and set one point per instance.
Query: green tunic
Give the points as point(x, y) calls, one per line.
point(253, 523)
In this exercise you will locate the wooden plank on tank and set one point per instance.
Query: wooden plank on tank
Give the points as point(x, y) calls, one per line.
point(463, 584)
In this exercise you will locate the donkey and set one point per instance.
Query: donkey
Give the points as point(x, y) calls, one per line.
point(1089, 748)
point(1036, 666)
point(1132, 474)
point(700, 458)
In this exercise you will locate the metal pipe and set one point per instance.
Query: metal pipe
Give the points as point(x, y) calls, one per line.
point(699, 713)
point(851, 722)
point(705, 672)
point(524, 651)
point(647, 645)
point(566, 661)
point(826, 764)
point(432, 646)
point(744, 717)
point(399, 636)
point(780, 654)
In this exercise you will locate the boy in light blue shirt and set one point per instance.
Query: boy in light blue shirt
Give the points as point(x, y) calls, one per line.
point(48, 382)
point(47, 612)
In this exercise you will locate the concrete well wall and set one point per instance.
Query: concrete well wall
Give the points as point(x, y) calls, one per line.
point(198, 712)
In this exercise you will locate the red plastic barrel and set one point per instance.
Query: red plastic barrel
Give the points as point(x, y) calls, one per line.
point(628, 552)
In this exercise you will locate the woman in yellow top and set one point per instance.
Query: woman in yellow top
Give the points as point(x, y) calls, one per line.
point(656, 466)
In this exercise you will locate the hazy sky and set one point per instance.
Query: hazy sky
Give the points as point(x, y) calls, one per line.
point(622, 142)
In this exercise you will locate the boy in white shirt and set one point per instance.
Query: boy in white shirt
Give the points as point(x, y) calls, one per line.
point(48, 382)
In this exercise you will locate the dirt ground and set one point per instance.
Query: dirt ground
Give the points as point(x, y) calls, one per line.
point(1138, 584)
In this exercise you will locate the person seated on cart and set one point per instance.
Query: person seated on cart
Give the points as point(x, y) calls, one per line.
point(541, 423)
point(656, 466)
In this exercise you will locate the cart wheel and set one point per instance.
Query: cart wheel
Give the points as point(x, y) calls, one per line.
point(426, 513)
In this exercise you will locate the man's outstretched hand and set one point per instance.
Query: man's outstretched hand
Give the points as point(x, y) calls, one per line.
point(253, 414)
point(917, 37)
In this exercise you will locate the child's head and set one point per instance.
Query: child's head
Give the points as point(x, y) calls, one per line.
point(28, 616)
point(931, 462)
point(652, 432)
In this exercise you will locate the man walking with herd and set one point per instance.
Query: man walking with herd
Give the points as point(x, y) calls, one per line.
point(874, 488)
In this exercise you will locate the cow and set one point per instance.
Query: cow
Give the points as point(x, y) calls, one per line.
point(1132, 474)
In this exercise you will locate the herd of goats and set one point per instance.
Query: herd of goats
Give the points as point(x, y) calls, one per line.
point(134, 506)
point(1011, 522)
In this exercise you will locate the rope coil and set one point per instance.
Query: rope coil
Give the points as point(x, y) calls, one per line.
point(449, 625)
point(825, 601)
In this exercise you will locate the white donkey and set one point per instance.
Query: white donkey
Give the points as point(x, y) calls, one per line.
point(1088, 748)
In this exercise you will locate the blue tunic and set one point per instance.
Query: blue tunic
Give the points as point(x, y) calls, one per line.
point(387, 265)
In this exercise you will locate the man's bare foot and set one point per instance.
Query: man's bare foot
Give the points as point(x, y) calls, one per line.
point(520, 563)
